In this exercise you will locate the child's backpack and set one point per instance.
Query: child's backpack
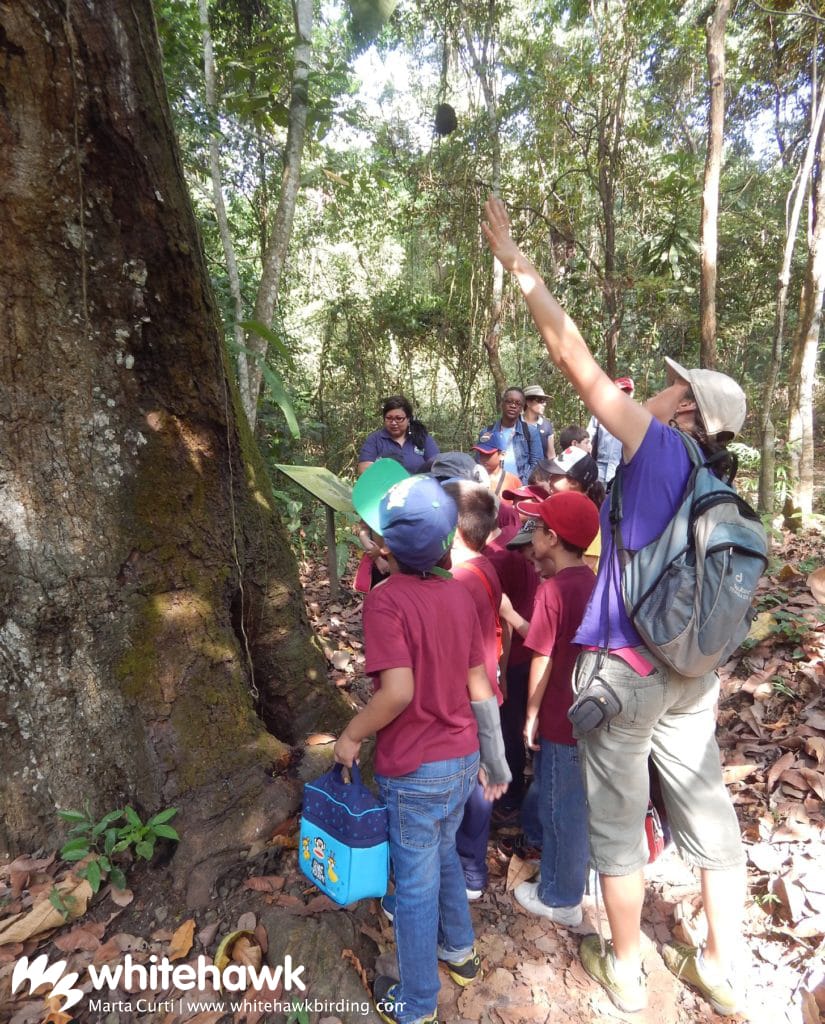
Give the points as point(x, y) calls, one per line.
point(343, 846)
point(688, 593)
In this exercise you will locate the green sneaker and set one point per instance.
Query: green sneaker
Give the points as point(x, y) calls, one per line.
point(385, 993)
point(466, 971)
point(685, 963)
point(629, 996)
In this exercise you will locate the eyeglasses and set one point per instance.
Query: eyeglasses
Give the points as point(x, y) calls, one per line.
point(535, 398)
point(395, 419)
point(512, 401)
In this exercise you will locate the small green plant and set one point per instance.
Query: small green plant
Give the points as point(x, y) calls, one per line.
point(766, 900)
point(117, 832)
point(781, 688)
point(62, 904)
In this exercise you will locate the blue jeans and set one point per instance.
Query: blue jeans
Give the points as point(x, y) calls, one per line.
point(563, 814)
point(472, 837)
point(432, 916)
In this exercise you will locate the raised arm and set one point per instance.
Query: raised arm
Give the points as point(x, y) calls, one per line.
point(623, 417)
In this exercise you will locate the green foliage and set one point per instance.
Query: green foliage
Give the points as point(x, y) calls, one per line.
point(116, 837)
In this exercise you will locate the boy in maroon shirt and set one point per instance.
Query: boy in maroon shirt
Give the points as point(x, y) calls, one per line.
point(433, 707)
point(568, 522)
point(476, 518)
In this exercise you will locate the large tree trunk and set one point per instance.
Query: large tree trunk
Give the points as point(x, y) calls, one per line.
point(275, 255)
point(150, 614)
point(715, 29)
point(802, 372)
point(796, 200)
point(482, 67)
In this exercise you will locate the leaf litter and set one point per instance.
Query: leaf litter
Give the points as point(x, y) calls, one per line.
point(772, 737)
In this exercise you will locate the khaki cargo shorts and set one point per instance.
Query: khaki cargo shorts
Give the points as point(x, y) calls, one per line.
point(672, 718)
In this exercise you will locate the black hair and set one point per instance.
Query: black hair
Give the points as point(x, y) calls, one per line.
point(407, 570)
point(515, 387)
point(574, 549)
point(540, 473)
point(722, 462)
point(417, 430)
point(572, 435)
point(477, 511)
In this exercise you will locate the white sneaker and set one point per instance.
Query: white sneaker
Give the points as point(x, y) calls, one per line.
point(527, 894)
point(473, 895)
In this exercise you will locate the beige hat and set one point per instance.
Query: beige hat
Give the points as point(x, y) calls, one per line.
point(720, 400)
point(534, 391)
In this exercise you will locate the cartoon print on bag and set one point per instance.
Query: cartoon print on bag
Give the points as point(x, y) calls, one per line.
point(318, 848)
point(305, 845)
point(331, 868)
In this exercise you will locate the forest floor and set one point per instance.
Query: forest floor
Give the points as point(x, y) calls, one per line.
point(772, 736)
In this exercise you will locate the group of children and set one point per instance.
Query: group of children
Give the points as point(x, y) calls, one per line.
point(470, 644)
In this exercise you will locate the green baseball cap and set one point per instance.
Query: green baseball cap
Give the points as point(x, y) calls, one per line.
point(371, 487)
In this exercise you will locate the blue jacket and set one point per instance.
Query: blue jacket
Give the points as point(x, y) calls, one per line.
point(526, 446)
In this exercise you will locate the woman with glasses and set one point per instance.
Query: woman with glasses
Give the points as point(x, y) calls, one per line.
point(406, 440)
point(401, 438)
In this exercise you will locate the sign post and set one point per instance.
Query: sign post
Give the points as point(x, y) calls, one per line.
point(335, 495)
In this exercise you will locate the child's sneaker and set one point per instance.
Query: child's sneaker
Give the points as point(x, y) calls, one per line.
point(527, 895)
point(388, 905)
point(384, 994)
point(628, 994)
point(474, 894)
point(464, 971)
point(517, 846)
point(686, 963)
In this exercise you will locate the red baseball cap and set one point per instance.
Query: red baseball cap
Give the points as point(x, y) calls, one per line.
point(573, 516)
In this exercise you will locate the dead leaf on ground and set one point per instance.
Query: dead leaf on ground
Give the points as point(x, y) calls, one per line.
point(777, 768)
point(737, 772)
point(43, 917)
point(247, 952)
point(85, 936)
point(350, 957)
point(815, 746)
point(816, 583)
point(207, 934)
point(122, 897)
point(265, 883)
point(182, 940)
point(519, 871)
point(246, 922)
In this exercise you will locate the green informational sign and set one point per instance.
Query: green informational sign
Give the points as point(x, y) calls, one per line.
point(322, 484)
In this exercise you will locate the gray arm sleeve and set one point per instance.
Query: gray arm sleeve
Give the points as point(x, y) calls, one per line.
point(491, 741)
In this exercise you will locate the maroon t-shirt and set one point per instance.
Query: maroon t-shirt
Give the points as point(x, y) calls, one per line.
point(560, 604)
point(519, 581)
point(486, 602)
point(429, 625)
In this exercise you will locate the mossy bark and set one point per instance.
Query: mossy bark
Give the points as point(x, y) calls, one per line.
point(151, 612)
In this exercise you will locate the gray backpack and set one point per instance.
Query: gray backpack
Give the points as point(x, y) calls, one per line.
point(688, 593)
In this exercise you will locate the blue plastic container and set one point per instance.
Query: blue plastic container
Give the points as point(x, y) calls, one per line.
point(344, 846)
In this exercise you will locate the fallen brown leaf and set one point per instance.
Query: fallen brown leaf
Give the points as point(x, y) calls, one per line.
point(246, 922)
point(85, 936)
point(265, 883)
point(122, 897)
point(815, 746)
point(737, 772)
point(519, 871)
point(247, 952)
point(777, 768)
point(182, 940)
point(43, 917)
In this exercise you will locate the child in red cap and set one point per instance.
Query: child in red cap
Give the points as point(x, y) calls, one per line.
point(568, 522)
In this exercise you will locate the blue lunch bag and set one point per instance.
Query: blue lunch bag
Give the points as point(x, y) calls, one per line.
point(344, 846)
